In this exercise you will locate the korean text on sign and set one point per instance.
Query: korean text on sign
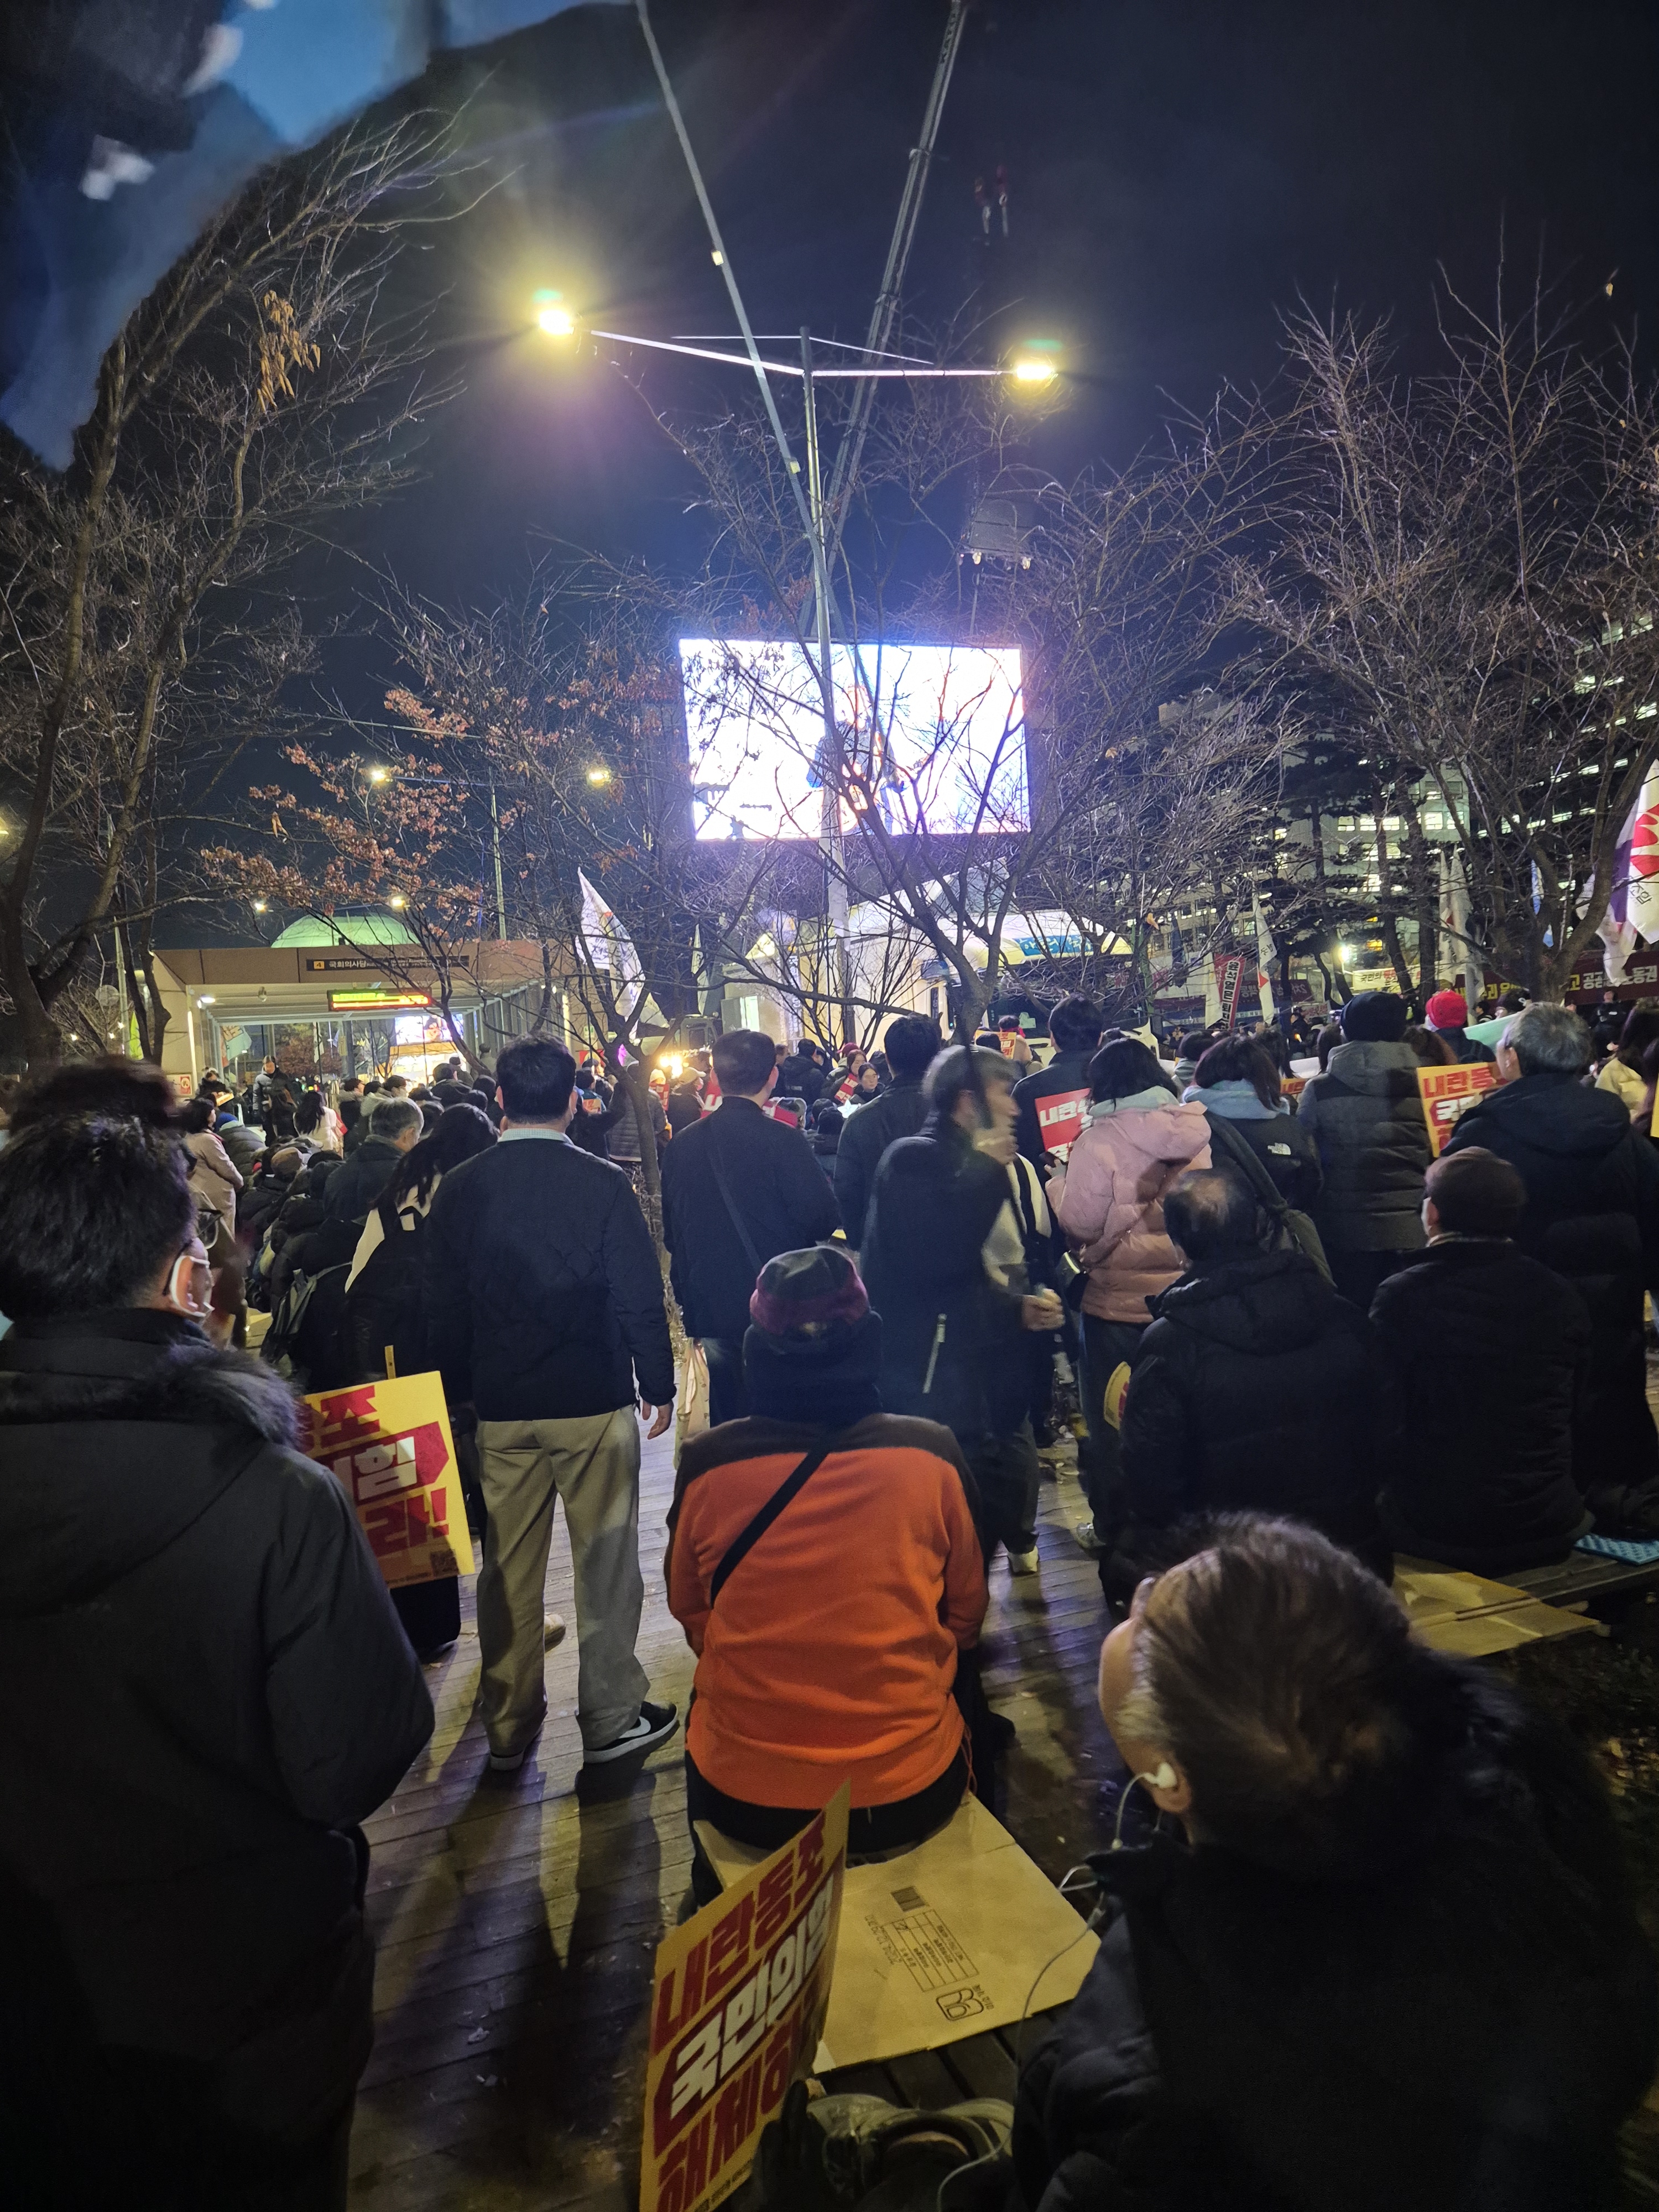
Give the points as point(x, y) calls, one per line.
point(737, 2010)
point(1448, 1092)
point(1060, 1119)
point(389, 1446)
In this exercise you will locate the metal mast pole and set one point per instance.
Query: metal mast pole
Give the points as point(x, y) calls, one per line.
point(835, 857)
point(885, 314)
point(496, 839)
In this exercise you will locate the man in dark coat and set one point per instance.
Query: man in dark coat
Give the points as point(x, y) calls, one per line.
point(911, 1045)
point(1227, 1403)
point(1394, 1961)
point(1486, 1483)
point(1593, 1216)
point(737, 1190)
point(800, 1075)
point(1075, 1029)
point(211, 1691)
point(1366, 1116)
point(395, 1126)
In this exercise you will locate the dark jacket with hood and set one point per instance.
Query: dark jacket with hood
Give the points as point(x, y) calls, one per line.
point(209, 1689)
point(778, 1192)
point(1458, 2026)
point(1593, 1216)
point(1487, 1481)
point(1066, 1071)
point(353, 1192)
point(945, 1323)
point(864, 1137)
point(1227, 1409)
point(1366, 1116)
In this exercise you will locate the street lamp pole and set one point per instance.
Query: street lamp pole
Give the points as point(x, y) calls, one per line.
point(835, 856)
point(496, 839)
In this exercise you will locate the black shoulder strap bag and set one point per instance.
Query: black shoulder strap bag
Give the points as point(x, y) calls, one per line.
point(725, 1189)
point(790, 1488)
point(1295, 1229)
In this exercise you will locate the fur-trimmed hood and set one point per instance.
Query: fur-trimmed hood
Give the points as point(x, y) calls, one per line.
point(117, 1430)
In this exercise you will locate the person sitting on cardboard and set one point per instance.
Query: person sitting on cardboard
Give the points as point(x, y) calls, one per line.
point(1381, 1951)
point(828, 1639)
point(1487, 1484)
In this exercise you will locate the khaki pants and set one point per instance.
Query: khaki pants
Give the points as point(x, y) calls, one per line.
point(525, 1467)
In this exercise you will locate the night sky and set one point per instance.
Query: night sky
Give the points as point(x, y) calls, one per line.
point(1179, 172)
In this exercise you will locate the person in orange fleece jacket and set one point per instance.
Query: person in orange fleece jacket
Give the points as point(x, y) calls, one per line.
point(831, 1648)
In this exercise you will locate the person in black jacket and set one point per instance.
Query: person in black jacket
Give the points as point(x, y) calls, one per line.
point(1236, 1082)
point(395, 1126)
point(1392, 1961)
point(1364, 1113)
point(944, 1264)
point(1075, 1027)
point(544, 1302)
point(1593, 1216)
point(1225, 1409)
point(1487, 1484)
point(211, 1691)
point(738, 1189)
point(911, 1044)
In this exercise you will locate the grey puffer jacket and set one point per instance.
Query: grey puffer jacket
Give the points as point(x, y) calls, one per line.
point(1365, 1113)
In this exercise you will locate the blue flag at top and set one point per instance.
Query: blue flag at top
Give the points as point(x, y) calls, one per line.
point(137, 120)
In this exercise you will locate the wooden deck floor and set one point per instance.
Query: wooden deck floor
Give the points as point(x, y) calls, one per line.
point(517, 1919)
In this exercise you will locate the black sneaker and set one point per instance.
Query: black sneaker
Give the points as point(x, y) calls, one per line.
point(655, 1724)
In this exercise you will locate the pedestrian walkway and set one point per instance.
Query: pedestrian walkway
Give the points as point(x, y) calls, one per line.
point(518, 1917)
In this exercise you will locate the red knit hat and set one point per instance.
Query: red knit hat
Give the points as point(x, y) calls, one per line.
point(1448, 1010)
point(808, 1294)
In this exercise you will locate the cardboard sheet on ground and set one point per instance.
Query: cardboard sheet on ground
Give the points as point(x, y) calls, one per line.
point(390, 1447)
point(737, 2009)
point(1472, 1617)
point(942, 1943)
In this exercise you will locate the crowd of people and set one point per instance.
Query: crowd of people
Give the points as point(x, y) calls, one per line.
point(1380, 1948)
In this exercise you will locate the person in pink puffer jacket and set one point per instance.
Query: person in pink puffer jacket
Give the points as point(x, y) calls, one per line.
point(1139, 1137)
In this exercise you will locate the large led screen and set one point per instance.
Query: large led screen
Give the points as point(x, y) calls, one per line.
point(932, 737)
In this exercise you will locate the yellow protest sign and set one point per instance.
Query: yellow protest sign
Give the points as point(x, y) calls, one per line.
point(737, 2009)
point(1449, 1091)
point(389, 1445)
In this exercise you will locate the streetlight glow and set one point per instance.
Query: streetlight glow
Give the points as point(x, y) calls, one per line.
point(1031, 370)
point(558, 322)
point(378, 775)
point(599, 776)
point(259, 906)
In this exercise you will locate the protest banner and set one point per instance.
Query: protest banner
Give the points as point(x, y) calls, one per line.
point(389, 1445)
point(1232, 981)
point(1061, 1118)
point(1449, 1092)
point(738, 2006)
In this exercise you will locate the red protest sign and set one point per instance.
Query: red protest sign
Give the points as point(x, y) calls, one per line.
point(737, 2010)
point(1061, 1117)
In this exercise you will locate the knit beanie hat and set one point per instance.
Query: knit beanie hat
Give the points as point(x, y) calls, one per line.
point(805, 1296)
point(1374, 1018)
point(1448, 1010)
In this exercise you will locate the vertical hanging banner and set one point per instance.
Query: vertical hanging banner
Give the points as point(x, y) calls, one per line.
point(737, 2010)
point(1264, 959)
point(1232, 982)
point(389, 1449)
point(1448, 1092)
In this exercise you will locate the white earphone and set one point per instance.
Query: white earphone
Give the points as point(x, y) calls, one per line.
point(1161, 1777)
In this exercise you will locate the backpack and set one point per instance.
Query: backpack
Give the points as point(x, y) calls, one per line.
point(307, 1342)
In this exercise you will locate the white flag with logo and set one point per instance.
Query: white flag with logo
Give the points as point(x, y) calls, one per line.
point(1264, 959)
point(610, 947)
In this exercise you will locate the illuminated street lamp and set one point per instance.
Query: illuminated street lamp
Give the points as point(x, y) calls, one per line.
point(599, 776)
point(396, 899)
point(259, 906)
point(380, 775)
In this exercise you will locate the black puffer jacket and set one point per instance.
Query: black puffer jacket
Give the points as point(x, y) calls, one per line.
point(1488, 1482)
point(209, 1689)
point(358, 1185)
point(1228, 1401)
point(1593, 1216)
point(1366, 1116)
point(866, 1134)
point(1460, 2028)
point(945, 1324)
